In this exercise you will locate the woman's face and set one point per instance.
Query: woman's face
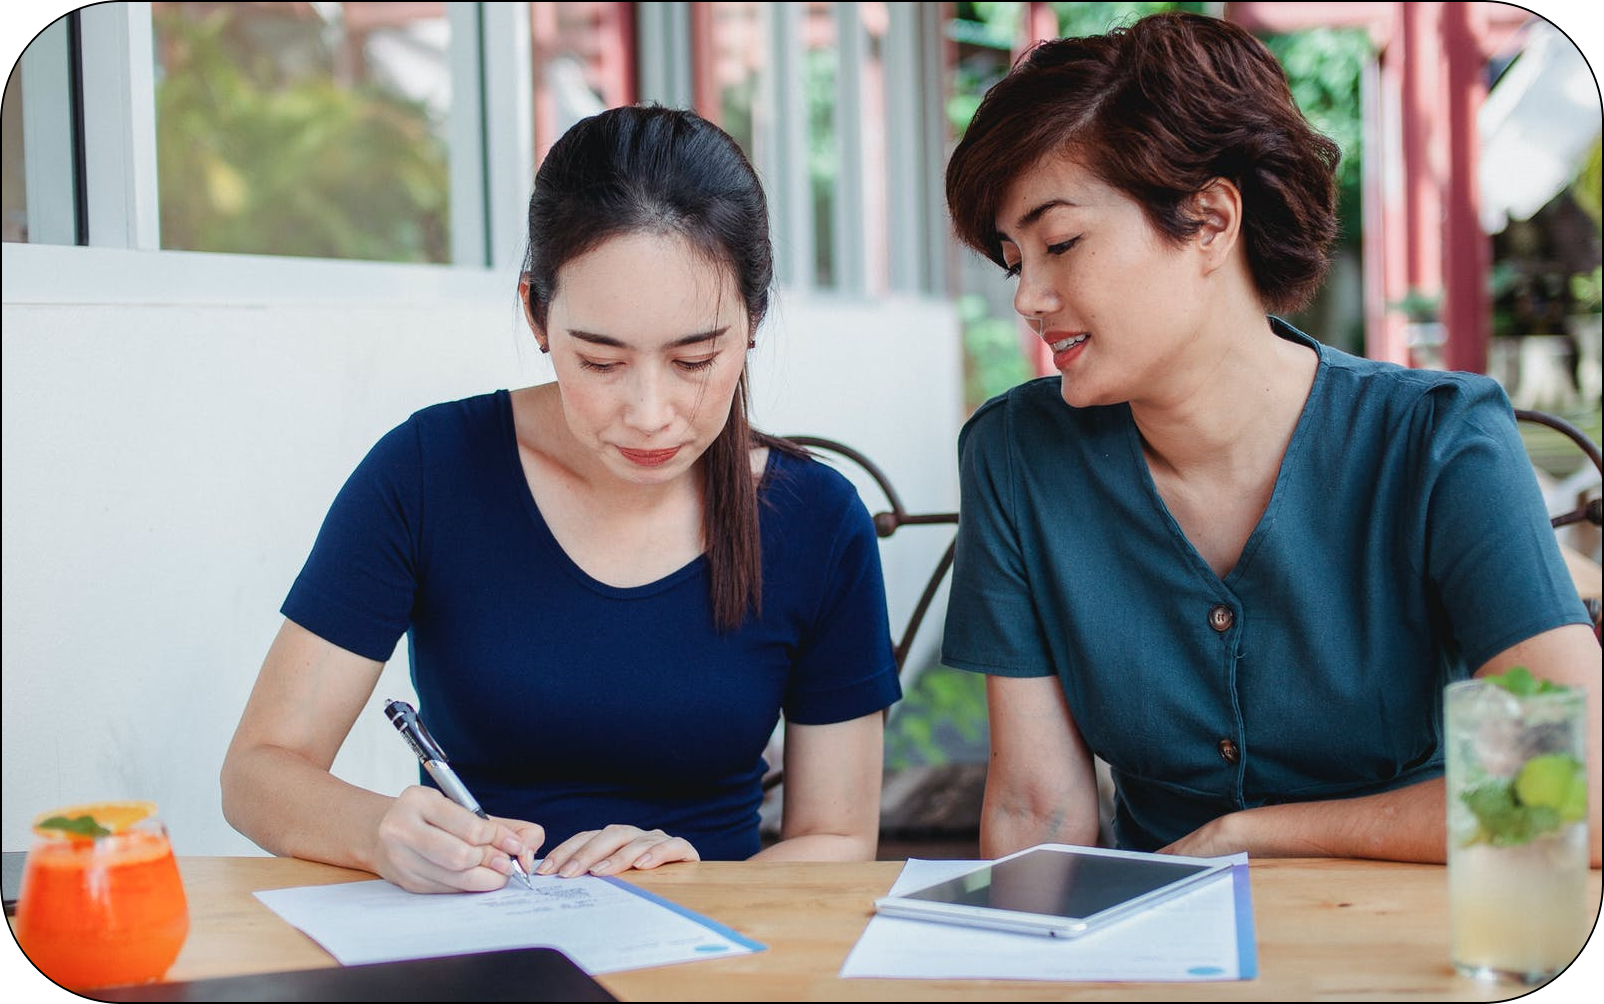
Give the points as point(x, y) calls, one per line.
point(1114, 300)
point(648, 339)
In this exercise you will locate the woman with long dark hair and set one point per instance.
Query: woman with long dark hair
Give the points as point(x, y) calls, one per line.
point(612, 586)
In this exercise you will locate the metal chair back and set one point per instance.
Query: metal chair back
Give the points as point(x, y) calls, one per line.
point(1586, 510)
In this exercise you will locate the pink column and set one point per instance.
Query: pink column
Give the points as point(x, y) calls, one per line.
point(1467, 252)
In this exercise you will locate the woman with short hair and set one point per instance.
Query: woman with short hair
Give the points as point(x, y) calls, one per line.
point(1236, 564)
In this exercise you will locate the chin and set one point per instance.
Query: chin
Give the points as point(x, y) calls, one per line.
point(1081, 394)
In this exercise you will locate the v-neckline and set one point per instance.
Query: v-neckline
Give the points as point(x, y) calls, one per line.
point(1266, 519)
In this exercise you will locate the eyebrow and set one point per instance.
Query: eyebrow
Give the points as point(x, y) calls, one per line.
point(1037, 213)
point(611, 342)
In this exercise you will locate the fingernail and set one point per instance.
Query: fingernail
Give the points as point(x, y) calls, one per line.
point(643, 860)
point(600, 866)
point(571, 869)
point(545, 867)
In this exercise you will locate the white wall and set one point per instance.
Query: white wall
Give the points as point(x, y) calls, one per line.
point(175, 426)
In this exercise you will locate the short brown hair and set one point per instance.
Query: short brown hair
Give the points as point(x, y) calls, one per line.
point(1159, 110)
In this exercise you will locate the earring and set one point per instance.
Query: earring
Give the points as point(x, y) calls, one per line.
point(751, 343)
point(544, 348)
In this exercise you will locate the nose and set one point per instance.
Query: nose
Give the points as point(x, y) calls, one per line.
point(648, 408)
point(1036, 297)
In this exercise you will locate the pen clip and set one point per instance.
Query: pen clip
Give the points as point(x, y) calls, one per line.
point(406, 721)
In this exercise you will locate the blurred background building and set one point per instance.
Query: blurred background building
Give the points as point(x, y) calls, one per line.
point(242, 240)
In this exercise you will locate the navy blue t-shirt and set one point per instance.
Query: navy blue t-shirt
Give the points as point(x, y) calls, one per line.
point(572, 703)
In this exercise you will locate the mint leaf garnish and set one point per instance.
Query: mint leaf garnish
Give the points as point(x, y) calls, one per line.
point(83, 826)
point(1518, 680)
point(1534, 804)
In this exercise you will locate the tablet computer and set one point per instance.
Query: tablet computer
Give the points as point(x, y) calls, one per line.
point(1054, 889)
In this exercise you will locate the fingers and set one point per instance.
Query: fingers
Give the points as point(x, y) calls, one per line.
point(527, 836)
point(430, 844)
point(615, 849)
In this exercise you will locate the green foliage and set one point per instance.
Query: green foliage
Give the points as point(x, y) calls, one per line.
point(1324, 67)
point(1076, 20)
point(945, 709)
point(824, 159)
point(989, 25)
point(990, 30)
point(1587, 290)
point(258, 159)
point(994, 358)
point(1588, 188)
point(1418, 306)
point(994, 29)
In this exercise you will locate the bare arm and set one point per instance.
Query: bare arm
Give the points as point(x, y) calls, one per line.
point(1407, 824)
point(277, 789)
point(1040, 785)
point(831, 809)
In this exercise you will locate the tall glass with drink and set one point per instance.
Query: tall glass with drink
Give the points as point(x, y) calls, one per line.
point(1517, 826)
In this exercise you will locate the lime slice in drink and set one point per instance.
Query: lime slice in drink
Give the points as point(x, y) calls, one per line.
point(1546, 780)
point(1574, 808)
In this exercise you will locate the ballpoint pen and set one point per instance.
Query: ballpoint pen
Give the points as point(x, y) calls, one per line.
point(406, 721)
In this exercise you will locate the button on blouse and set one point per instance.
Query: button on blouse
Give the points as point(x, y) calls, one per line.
point(1221, 618)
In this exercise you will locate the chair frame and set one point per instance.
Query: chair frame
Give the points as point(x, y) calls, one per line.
point(887, 523)
point(1591, 510)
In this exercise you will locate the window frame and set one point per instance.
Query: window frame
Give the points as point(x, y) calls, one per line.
point(491, 141)
point(490, 135)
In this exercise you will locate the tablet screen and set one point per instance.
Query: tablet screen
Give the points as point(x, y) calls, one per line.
point(1058, 884)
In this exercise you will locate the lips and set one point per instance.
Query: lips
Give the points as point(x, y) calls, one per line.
point(648, 458)
point(1065, 345)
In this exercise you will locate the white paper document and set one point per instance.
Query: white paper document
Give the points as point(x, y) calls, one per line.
point(603, 924)
point(1203, 934)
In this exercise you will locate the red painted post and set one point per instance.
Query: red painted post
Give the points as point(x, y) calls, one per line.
point(1467, 251)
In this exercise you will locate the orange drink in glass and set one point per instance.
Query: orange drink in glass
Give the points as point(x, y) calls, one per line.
point(101, 901)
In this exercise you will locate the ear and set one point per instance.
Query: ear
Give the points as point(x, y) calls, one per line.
point(529, 314)
point(1219, 206)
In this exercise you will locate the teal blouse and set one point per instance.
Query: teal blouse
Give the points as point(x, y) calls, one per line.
point(1404, 545)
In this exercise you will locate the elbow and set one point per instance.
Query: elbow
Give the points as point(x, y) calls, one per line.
point(1008, 825)
point(235, 790)
point(228, 789)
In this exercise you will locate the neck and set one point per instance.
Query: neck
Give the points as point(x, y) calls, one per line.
point(1238, 391)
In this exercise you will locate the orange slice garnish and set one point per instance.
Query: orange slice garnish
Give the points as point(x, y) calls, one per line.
point(94, 819)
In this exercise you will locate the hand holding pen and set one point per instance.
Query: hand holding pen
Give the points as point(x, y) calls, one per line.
point(433, 761)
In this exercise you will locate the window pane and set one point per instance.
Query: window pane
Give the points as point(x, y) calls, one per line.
point(13, 173)
point(822, 62)
point(38, 170)
point(582, 65)
point(315, 129)
point(740, 56)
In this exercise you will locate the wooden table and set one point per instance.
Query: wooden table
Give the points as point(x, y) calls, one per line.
point(1326, 930)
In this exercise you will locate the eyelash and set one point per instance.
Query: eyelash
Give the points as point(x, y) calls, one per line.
point(689, 366)
point(1062, 247)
